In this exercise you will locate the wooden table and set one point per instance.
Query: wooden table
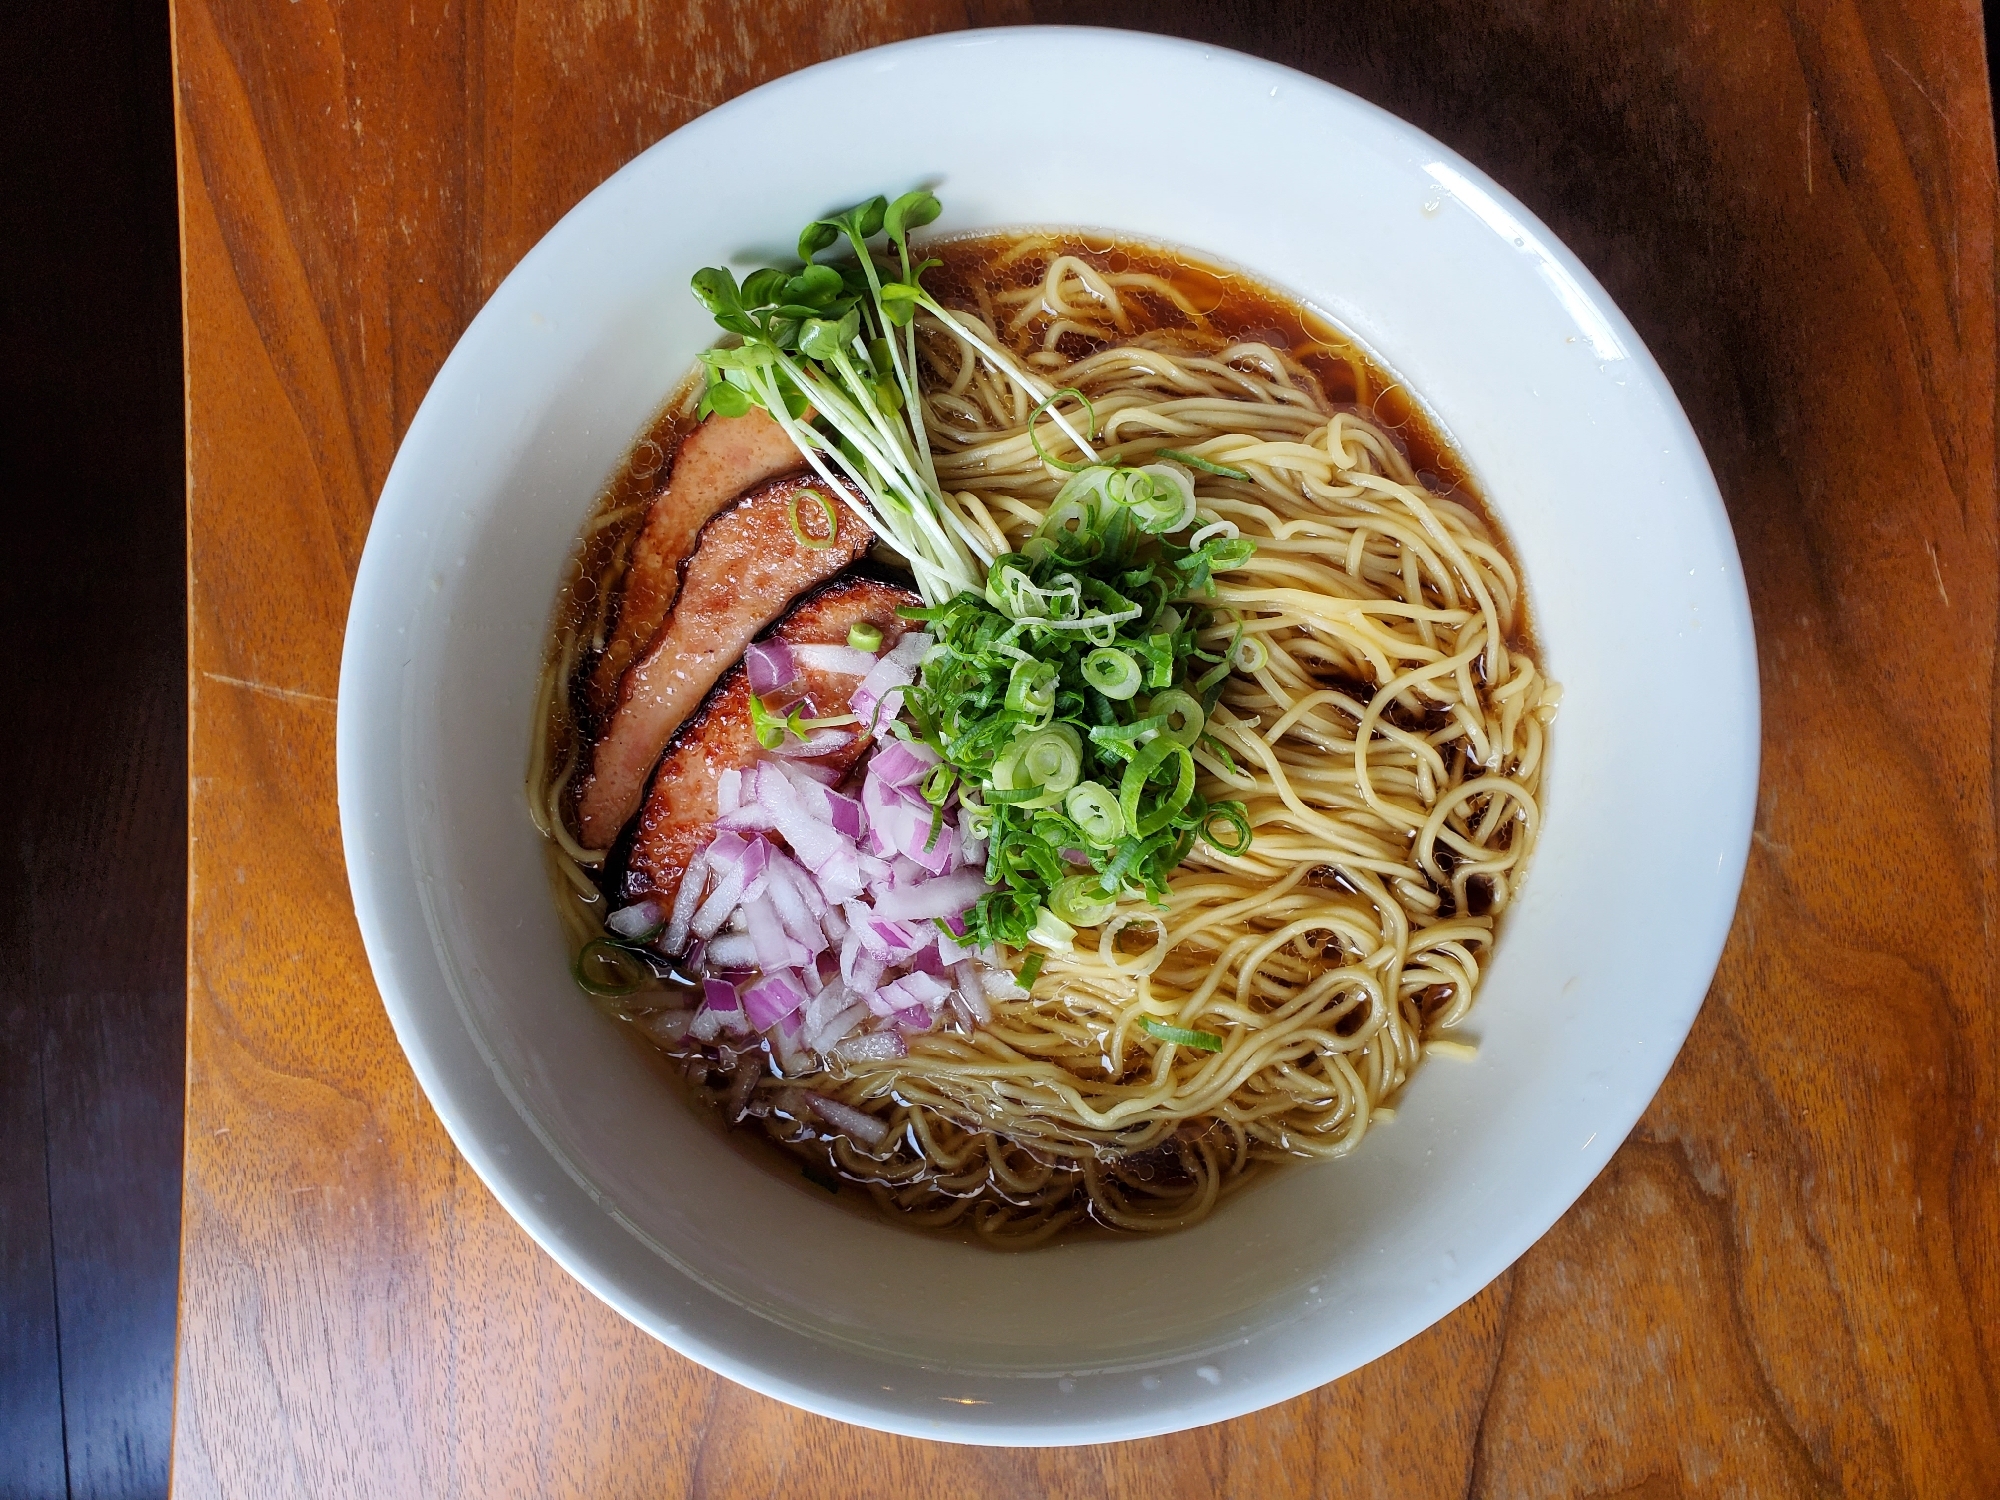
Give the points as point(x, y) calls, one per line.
point(1786, 1283)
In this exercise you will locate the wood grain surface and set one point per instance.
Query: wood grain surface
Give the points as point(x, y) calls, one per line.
point(93, 752)
point(1786, 1283)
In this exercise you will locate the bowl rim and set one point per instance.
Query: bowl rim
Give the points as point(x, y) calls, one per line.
point(478, 1128)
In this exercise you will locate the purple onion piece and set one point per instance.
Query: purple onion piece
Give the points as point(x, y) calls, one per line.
point(769, 666)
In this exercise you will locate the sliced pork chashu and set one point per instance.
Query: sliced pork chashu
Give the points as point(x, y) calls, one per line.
point(714, 464)
point(747, 565)
point(679, 817)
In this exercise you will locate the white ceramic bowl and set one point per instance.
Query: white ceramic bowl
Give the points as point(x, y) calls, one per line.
point(1575, 437)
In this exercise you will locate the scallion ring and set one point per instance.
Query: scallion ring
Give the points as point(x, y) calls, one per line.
point(1250, 654)
point(1112, 672)
point(1031, 688)
point(1051, 931)
point(1237, 818)
point(1161, 497)
point(616, 958)
point(863, 635)
point(1051, 759)
point(806, 540)
point(1182, 711)
point(1044, 405)
point(1094, 809)
point(1081, 902)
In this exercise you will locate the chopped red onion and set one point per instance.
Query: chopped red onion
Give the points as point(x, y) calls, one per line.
point(840, 878)
point(842, 661)
point(686, 900)
point(995, 981)
point(809, 781)
point(887, 678)
point(916, 989)
point(666, 1025)
point(848, 1120)
point(729, 790)
point(901, 763)
point(775, 947)
point(739, 866)
point(874, 1046)
point(732, 950)
point(965, 974)
point(845, 815)
point(792, 892)
point(789, 1040)
point(950, 951)
point(835, 1027)
point(750, 818)
point(721, 1010)
point(771, 999)
point(943, 896)
point(769, 665)
point(812, 981)
point(812, 841)
point(910, 650)
point(821, 742)
point(935, 854)
point(971, 848)
point(828, 1000)
point(916, 1018)
point(631, 921)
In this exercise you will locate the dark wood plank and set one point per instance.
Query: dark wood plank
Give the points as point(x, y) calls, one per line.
point(91, 1041)
point(1785, 1283)
point(31, 1459)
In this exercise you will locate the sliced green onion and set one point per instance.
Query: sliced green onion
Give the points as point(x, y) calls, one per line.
point(1250, 654)
point(1237, 817)
point(1081, 902)
point(1201, 1041)
point(616, 958)
point(1069, 519)
point(1161, 497)
point(1051, 931)
point(812, 543)
point(1139, 775)
point(1010, 590)
point(1112, 672)
point(1030, 972)
point(864, 636)
point(1123, 740)
point(1051, 759)
point(1094, 809)
point(1042, 406)
point(1208, 466)
point(1183, 714)
point(1031, 687)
